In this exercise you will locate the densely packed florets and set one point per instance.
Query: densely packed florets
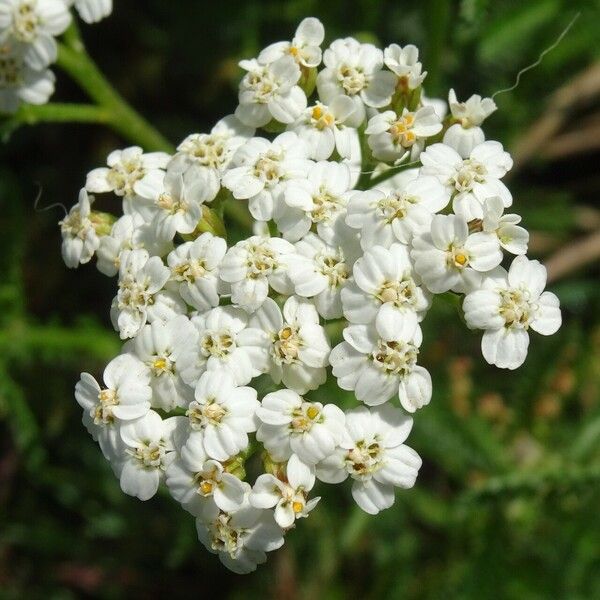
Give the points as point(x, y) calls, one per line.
point(334, 248)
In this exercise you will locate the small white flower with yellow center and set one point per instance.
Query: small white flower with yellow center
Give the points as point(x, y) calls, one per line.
point(289, 497)
point(324, 129)
point(80, 239)
point(507, 306)
point(472, 180)
point(177, 201)
point(19, 82)
point(126, 396)
point(374, 456)
point(33, 25)
point(154, 345)
point(241, 537)
point(291, 425)
point(404, 62)
point(466, 132)
point(224, 343)
point(92, 11)
point(320, 271)
point(385, 214)
point(141, 297)
point(126, 170)
point(299, 346)
point(304, 48)
point(212, 151)
point(270, 92)
point(449, 258)
point(148, 450)
point(129, 232)
point(222, 415)
point(320, 200)
point(394, 137)
point(195, 268)
point(379, 361)
point(355, 70)
point(384, 280)
point(201, 484)
point(260, 170)
point(511, 236)
point(254, 264)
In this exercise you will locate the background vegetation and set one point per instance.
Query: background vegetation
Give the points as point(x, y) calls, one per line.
point(506, 505)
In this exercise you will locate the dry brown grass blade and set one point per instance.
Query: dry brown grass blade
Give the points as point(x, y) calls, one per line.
point(573, 256)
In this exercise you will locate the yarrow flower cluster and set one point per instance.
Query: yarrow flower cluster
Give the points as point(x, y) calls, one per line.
point(202, 318)
point(28, 45)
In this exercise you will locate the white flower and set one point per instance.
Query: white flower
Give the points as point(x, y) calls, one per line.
point(155, 346)
point(225, 344)
point(404, 62)
point(129, 232)
point(201, 484)
point(260, 170)
point(222, 415)
point(126, 170)
point(19, 82)
point(254, 264)
point(384, 279)
point(512, 237)
point(393, 137)
point(304, 47)
point(320, 271)
point(177, 200)
point(466, 132)
point(290, 424)
point(385, 216)
point(471, 180)
point(92, 11)
point(242, 537)
point(126, 396)
point(270, 92)
point(449, 258)
point(289, 497)
point(506, 306)
point(195, 267)
point(318, 200)
point(139, 298)
point(374, 456)
point(323, 128)
point(33, 24)
point(299, 347)
point(379, 361)
point(80, 240)
point(148, 449)
point(213, 151)
point(355, 70)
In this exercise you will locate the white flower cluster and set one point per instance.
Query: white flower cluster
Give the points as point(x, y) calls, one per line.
point(203, 319)
point(28, 31)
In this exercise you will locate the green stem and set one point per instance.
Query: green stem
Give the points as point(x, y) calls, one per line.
point(55, 112)
point(390, 173)
point(122, 118)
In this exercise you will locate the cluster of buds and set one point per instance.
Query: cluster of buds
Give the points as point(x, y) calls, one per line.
point(349, 235)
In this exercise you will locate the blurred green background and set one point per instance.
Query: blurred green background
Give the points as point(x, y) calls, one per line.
point(507, 502)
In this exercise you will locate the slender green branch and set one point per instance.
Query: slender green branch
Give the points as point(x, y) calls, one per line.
point(55, 112)
point(74, 59)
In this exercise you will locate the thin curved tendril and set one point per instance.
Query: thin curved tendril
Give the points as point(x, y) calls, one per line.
point(558, 40)
point(36, 207)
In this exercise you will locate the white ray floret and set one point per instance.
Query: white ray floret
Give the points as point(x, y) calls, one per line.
point(125, 396)
point(388, 214)
point(472, 180)
point(404, 63)
point(384, 279)
point(291, 425)
point(507, 306)
point(299, 348)
point(379, 361)
point(374, 455)
point(449, 258)
point(289, 497)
